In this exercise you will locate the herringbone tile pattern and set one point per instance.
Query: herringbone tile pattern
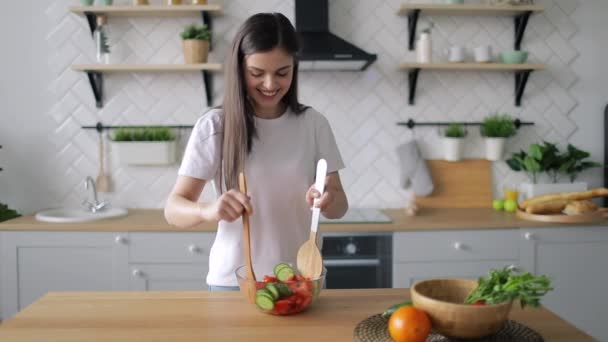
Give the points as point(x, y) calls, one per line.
point(362, 107)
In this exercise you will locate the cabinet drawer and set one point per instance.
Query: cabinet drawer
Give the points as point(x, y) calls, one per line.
point(164, 247)
point(456, 245)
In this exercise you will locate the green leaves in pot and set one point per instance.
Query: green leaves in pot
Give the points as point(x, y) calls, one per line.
point(498, 126)
point(505, 285)
point(144, 134)
point(546, 158)
point(7, 213)
point(194, 31)
point(455, 130)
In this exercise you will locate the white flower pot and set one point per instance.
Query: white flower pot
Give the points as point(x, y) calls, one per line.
point(531, 190)
point(494, 148)
point(453, 148)
point(145, 152)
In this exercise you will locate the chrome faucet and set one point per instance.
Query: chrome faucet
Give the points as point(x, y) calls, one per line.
point(96, 206)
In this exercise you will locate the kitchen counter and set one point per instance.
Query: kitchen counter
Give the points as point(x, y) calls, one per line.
point(427, 219)
point(220, 316)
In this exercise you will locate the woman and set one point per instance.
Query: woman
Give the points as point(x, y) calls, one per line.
point(262, 129)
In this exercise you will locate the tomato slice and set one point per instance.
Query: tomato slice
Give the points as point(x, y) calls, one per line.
point(270, 279)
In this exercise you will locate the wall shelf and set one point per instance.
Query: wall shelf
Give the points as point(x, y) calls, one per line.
point(521, 15)
point(95, 74)
point(521, 71)
point(92, 12)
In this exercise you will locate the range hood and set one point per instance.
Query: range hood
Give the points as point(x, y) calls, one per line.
point(322, 50)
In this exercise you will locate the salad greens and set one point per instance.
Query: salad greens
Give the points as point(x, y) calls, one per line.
point(503, 285)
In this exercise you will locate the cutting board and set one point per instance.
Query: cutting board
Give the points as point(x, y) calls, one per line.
point(463, 184)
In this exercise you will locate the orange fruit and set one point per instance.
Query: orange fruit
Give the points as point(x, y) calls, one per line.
point(409, 324)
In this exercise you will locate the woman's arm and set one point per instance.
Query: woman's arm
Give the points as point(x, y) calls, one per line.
point(183, 210)
point(333, 202)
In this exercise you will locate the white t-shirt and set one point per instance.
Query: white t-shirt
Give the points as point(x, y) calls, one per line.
point(279, 170)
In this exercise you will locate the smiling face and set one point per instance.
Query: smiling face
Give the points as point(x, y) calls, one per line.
point(268, 76)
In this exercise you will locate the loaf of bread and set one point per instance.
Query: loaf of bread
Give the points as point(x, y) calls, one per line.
point(569, 196)
point(555, 206)
point(580, 207)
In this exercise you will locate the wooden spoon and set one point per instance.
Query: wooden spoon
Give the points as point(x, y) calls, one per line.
point(249, 286)
point(309, 260)
point(102, 182)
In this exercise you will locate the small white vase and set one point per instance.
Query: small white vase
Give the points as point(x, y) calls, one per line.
point(424, 48)
point(453, 148)
point(146, 152)
point(531, 190)
point(494, 148)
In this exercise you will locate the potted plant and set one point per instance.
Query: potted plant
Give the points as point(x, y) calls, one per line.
point(195, 43)
point(453, 141)
point(7, 213)
point(546, 159)
point(496, 129)
point(145, 146)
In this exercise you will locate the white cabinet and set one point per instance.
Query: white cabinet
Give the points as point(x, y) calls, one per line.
point(467, 254)
point(576, 259)
point(34, 263)
point(169, 261)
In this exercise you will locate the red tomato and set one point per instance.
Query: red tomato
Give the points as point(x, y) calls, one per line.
point(270, 279)
point(480, 303)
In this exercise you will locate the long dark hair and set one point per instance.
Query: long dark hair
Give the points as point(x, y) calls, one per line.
point(260, 33)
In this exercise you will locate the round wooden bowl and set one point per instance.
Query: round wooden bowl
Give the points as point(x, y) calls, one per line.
point(442, 300)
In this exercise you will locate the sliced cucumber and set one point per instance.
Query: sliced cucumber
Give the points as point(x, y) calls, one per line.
point(264, 293)
point(284, 290)
point(278, 267)
point(285, 273)
point(271, 287)
point(264, 302)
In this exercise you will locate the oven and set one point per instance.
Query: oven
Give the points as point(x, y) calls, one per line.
point(357, 260)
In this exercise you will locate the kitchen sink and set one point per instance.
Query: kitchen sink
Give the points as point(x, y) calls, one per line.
point(73, 215)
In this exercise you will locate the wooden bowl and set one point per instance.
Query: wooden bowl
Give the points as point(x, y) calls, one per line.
point(442, 300)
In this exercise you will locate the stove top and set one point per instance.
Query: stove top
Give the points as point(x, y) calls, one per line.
point(360, 215)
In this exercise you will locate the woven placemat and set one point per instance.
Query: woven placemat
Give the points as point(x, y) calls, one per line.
point(375, 329)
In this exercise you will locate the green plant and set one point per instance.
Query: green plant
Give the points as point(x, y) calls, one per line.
point(455, 130)
point(7, 213)
point(573, 162)
point(144, 134)
point(501, 286)
point(538, 159)
point(194, 31)
point(547, 158)
point(498, 126)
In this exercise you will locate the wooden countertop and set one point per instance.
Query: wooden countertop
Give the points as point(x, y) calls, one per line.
point(427, 219)
point(220, 316)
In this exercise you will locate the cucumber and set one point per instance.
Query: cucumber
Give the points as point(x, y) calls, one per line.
point(264, 293)
point(285, 273)
point(284, 290)
point(271, 287)
point(278, 267)
point(264, 303)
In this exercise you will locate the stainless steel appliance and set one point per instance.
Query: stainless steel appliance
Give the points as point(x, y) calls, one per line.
point(358, 260)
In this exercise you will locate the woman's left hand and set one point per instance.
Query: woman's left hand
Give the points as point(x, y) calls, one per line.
point(318, 200)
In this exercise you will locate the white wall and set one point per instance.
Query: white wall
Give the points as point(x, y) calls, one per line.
point(44, 103)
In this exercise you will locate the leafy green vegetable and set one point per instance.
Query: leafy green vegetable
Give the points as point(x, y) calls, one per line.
point(501, 286)
point(7, 213)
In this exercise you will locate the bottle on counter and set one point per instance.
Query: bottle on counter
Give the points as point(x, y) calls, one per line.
point(102, 42)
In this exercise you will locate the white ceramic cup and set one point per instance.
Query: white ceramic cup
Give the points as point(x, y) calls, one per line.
point(456, 54)
point(483, 54)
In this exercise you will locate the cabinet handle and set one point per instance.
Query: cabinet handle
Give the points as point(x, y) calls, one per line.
point(137, 273)
point(120, 240)
point(193, 249)
point(529, 236)
point(458, 246)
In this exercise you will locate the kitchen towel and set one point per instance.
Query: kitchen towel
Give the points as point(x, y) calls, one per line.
point(414, 174)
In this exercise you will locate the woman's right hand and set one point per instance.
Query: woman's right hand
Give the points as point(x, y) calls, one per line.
point(229, 207)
